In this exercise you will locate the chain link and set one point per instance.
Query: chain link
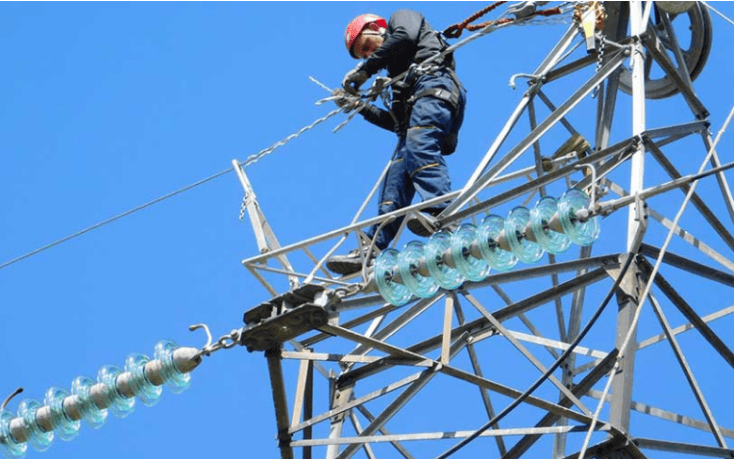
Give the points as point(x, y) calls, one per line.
point(601, 53)
point(243, 207)
point(256, 157)
point(227, 341)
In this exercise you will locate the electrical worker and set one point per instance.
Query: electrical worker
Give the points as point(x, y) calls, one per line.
point(426, 113)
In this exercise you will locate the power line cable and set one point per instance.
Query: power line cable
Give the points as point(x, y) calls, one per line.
point(249, 161)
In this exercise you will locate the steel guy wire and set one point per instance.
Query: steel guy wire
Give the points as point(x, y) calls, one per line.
point(249, 161)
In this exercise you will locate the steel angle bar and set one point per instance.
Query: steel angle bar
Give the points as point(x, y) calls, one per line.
point(262, 281)
point(682, 361)
point(522, 317)
point(616, 204)
point(349, 229)
point(399, 447)
point(502, 136)
point(559, 51)
point(687, 237)
point(551, 59)
point(689, 313)
point(683, 328)
point(400, 401)
point(371, 330)
point(472, 189)
point(688, 265)
point(683, 448)
point(664, 414)
point(310, 341)
point(721, 178)
point(551, 407)
point(357, 402)
point(399, 322)
point(692, 240)
point(573, 329)
point(550, 343)
point(446, 334)
point(603, 169)
point(326, 357)
point(358, 303)
point(526, 353)
point(295, 274)
point(301, 388)
point(570, 128)
point(616, 149)
point(358, 428)
point(475, 362)
point(442, 435)
point(670, 139)
point(678, 129)
point(579, 390)
point(394, 351)
point(699, 204)
point(318, 264)
point(279, 398)
point(661, 337)
point(583, 62)
point(481, 325)
point(527, 394)
point(595, 263)
point(300, 348)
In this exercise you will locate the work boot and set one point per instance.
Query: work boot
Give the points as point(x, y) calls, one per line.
point(422, 225)
point(351, 262)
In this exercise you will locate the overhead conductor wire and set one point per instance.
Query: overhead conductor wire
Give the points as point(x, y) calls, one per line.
point(254, 158)
point(249, 161)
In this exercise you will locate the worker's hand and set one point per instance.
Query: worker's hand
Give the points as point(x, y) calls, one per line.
point(344, 100)
point(354, 80)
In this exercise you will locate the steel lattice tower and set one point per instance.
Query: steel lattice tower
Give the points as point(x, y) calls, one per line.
point(580, 320)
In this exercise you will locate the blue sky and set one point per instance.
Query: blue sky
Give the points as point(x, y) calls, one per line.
point(106, 106)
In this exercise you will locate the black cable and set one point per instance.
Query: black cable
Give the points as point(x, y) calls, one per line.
point(551, 369)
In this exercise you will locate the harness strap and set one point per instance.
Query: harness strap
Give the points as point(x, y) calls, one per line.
point(450, 97)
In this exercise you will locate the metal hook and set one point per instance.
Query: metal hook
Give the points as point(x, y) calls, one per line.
point(10, 397)
point(593, 184)
point(207, 332)
point(512, 81)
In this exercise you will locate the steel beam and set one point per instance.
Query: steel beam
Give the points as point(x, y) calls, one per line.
point(279, 398)
point(579, 390)
point(712, 338)
point(689, 265)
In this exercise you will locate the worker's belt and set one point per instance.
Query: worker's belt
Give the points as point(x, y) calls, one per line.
point(450, 97)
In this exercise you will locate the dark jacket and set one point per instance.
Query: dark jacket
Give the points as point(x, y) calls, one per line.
point(409, 39)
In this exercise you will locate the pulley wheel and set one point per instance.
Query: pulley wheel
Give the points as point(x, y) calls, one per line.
point(700, 36)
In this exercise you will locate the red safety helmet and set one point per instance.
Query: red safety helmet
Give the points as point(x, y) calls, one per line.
point(357, 25)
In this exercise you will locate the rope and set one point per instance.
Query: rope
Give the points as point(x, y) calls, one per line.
point(249, 161)
point(455, 30)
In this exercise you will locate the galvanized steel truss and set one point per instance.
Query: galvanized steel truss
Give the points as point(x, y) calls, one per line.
point(377, 358)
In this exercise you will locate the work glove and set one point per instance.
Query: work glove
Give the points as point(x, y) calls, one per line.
point(354, 80)
point(344, 100)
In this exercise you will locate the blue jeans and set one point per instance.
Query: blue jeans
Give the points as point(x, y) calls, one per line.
point(418, 164)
